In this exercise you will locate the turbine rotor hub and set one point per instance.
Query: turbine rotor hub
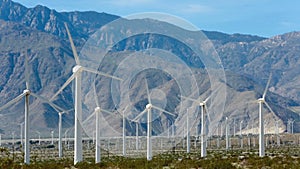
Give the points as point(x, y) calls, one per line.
point(77, 68)
point(26, 91)
point(148, 106)
point(261, 100)
point(97, 109)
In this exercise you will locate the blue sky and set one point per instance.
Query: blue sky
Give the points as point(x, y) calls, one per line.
point(258, 17)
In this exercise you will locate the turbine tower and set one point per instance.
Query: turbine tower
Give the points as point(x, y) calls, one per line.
point(77, 74)
point(148, 108)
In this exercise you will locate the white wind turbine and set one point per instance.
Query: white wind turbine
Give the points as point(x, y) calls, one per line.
point(21, 133)
point(60, 149)
point(277, 132)
point(124, 132)
point(39, 136)
point(26, 93)
point(262, 101)
point(241, 135)
point(227, 133)
point(97, 112)
point(136, 136)
point(204, 112)
point(148, 108)
point(77, 74)
point(188, 139)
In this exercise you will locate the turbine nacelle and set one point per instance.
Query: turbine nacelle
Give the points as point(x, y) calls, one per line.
point(148, 106)
point(77, 68)
point(261, 100)
point(97, 109)
point(26, 91)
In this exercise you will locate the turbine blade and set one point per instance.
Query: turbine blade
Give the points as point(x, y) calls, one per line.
point(267, 86)
point(108, 112)
point(270, 109)
point(124, 111)
point(101, 73)
point(207, 98)
point(12, 101)
point(88, 118)
point(26, 70)
point(190, 99)
point(72, 45)
point(139, 116)
point(165, 111)
point(67, 111)
point(206, 111)
point(95, 95)
point(54, 106)
point(148, 93)
point(63, 86)
point(252, 102)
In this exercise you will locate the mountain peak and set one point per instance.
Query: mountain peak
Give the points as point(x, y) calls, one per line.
point(48, 20)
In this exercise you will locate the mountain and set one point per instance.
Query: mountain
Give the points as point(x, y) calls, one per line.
point(82, 24)
point(247, 60)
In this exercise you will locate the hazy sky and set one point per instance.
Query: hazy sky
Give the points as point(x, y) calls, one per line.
point(259, 17)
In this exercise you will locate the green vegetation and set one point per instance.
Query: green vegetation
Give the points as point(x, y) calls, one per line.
point(216, 159)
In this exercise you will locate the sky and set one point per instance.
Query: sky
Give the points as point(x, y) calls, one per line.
point(256, 17)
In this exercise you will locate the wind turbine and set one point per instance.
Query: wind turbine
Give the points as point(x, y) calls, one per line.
point(277, 132)
point(136, 136)
point(13, 138)
point(148, 108)
point(26, 93)
point(292, 123)
point(66, 135)
point(21, 133)
point(77, 74)
point(124, 133)
point(39, 136)
point(52, 137)
point(60, 149)
point(219, 134)
point(97, 112)
point(203, 122)
point(262, 101)
point(234, 125)
point(241, 135)
point(188, 139)
point(227, 133)
point(290, 126)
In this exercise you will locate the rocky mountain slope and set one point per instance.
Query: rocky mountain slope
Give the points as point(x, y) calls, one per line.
point(248, 60)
